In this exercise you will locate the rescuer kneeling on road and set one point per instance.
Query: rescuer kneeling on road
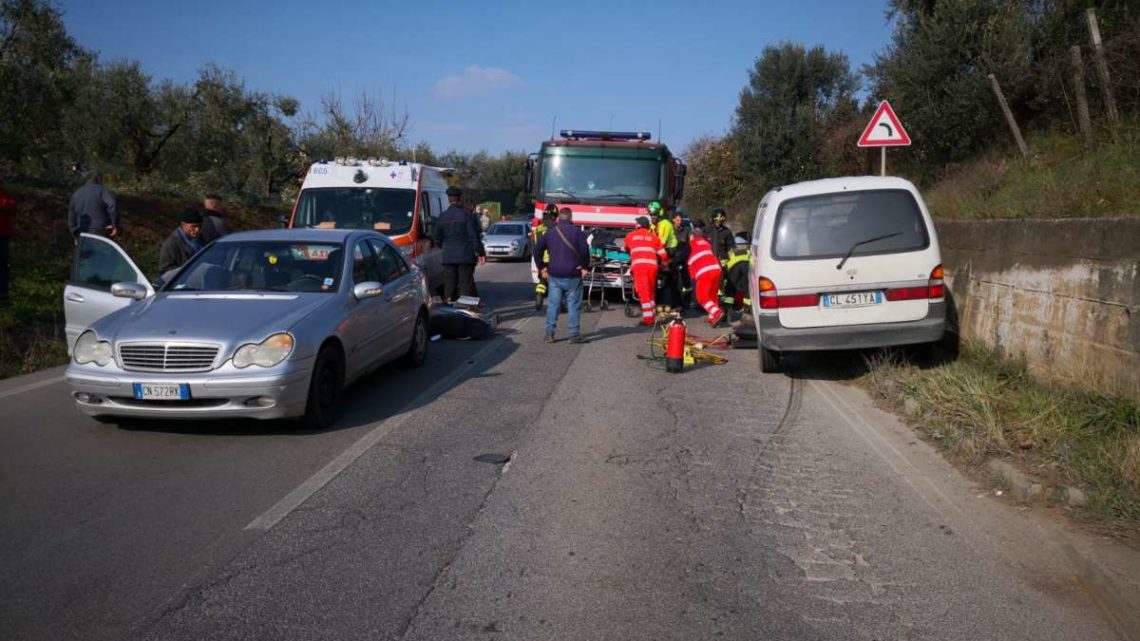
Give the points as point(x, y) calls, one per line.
point(569, 256)
point(705, 271)
point(645, 251)
point(736, 274)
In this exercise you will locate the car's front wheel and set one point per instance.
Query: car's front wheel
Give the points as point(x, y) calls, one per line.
point(324, 389)
point(417, 351)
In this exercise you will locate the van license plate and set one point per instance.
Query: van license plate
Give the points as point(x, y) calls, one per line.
point(162, 391)
point(852, 299)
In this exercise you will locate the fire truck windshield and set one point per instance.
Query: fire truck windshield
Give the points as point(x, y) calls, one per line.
point(386, 210)
point(601, 175)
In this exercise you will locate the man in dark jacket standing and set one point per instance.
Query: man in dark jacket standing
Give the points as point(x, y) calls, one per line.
point(181, 245)
point(93, 209)
point(569, 257)
point(213, 219)
point(457, 236)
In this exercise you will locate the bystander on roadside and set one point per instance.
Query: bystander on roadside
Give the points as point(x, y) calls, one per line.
point(93, 208)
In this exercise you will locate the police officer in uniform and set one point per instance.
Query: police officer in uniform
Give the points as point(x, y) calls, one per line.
point(457, 236)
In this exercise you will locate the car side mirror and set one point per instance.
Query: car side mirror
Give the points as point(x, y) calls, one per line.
point(128, 290)
point(367, 289)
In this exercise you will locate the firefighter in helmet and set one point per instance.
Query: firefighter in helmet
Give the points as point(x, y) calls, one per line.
point(736, 274)
point(549, 218)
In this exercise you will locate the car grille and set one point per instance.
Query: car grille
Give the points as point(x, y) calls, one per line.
point(167, 357)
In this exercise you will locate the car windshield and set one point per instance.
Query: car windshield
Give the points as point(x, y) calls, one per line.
point(388, 211)
point(601, 177)
point(830, 225)
point(263, 266)
point(500, 229)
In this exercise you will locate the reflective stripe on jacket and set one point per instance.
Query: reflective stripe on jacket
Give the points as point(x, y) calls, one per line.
point(666, 234)
point(644, 248)
point(701, 257)
point(738, 256)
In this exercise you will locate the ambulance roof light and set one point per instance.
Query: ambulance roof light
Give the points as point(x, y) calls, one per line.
point(606, 135)
point(339, 160)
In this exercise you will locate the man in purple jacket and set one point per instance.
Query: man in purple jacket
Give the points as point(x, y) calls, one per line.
point(569, 256)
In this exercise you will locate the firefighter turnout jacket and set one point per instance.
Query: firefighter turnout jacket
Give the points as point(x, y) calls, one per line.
point(722, 241)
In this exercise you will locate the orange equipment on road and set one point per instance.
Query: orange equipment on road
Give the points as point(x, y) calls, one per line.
point(645, 250)
point(706, 273)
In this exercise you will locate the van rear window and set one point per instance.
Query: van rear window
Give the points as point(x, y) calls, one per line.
point(828, 225)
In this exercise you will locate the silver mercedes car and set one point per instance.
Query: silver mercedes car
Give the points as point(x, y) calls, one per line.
point(265, 324)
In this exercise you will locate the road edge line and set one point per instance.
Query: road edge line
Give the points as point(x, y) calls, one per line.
point(294, 499)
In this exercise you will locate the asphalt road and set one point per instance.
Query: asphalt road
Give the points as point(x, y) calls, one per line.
point(721, 503)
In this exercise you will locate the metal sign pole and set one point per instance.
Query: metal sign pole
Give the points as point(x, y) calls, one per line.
point(883, 161)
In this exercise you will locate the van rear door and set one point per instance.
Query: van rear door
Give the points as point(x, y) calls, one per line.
point(853, 258)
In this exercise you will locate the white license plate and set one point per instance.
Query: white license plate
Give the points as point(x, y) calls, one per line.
point(162, 391)
point(852, 299)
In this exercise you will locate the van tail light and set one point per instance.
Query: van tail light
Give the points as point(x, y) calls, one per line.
point(934, 289)
point(769, 299)
point(937, 287)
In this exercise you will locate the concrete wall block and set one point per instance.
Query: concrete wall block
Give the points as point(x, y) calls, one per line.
point(1063, 294)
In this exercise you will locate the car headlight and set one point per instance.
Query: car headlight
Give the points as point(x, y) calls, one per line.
point(89, 349)
point(267, 353)
point(514, 244)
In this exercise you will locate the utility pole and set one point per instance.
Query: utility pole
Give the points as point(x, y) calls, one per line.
point(1102, 70)
point(1009, 117)
point(1082, 98)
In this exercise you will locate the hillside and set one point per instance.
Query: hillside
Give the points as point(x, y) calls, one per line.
point(31, 324)
point(1061, 180)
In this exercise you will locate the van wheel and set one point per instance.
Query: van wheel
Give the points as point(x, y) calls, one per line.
point(769, 361)
point(324, 390)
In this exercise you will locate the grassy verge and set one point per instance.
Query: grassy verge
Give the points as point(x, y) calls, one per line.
point(1061, 181)
point(982, 406)
point(31, 323)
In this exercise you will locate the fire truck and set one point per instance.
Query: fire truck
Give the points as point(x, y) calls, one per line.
point(399, 199)
point(606, 178)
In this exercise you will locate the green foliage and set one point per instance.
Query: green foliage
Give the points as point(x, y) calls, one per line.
point(791, 93)
point(984, 405)
point(37, 72)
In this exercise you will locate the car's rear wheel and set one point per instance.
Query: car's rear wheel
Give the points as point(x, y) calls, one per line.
point(769, 360)
point(324, 389)
point(417, 351)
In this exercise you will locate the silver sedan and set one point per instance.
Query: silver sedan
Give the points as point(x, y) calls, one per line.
point(508, 240)
point(265, 324)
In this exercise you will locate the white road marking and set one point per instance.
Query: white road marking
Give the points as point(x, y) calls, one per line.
point(333, 468)
point(31, 386)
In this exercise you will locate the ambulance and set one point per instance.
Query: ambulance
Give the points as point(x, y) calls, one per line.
point(399, 199)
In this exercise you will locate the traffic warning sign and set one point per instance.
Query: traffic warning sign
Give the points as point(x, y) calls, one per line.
point(884, 130)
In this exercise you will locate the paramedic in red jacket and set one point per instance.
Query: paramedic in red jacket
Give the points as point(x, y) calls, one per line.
point(645, 250)
point(704, 268)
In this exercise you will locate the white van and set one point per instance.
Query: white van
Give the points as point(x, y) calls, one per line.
point(845, 263)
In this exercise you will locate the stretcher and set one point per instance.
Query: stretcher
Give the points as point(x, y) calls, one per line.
point(609, 268)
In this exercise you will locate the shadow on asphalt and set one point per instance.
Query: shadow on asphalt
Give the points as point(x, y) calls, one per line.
point(389, 391)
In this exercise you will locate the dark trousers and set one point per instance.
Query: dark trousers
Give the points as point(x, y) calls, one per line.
point(458, 280)
point(5, 265)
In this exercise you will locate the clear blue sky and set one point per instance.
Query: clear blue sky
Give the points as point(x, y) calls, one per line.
point(487, 75)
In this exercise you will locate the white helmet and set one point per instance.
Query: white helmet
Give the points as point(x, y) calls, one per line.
point(740, 240)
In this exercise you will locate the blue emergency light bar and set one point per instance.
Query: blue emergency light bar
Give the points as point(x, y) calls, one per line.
point(606, 135)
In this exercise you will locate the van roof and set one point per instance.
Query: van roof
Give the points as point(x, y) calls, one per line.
point(846, 183)
point(391, 175)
